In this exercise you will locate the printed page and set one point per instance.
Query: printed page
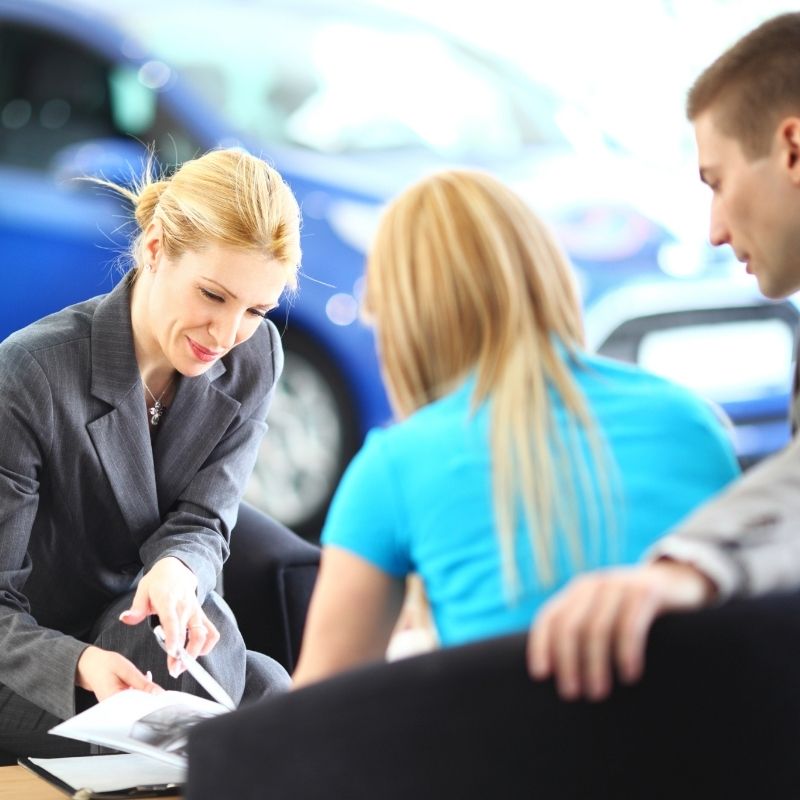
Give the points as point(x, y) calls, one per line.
point(133, 721)
point(114, 773)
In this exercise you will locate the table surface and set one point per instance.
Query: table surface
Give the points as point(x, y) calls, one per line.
point(18, 783)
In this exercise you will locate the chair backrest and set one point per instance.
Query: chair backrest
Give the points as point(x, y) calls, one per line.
point(268, 581)
point(717, 715)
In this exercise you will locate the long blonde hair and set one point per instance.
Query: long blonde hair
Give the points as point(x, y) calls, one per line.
point(227, 197)
point(464, 278)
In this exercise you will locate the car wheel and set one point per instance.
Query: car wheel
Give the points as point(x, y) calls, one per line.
point(313, 434)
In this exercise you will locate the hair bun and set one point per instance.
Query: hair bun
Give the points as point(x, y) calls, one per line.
point(147, 201)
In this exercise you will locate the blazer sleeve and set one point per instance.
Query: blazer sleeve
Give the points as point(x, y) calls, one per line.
point(746, 540)
point(198, 525)
point(37, 663)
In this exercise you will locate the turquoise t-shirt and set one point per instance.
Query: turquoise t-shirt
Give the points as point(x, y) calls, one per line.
point(418, 496)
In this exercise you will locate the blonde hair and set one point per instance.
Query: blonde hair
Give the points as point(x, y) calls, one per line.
point(463, 277)
point(226, 197)
point(753, 84)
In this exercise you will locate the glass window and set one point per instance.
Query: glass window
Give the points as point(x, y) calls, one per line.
point(55, 93)
point(52, 94)
point(727, 361)
point(338, 83)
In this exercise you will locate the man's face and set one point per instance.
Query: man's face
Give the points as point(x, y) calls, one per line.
point(755, 206)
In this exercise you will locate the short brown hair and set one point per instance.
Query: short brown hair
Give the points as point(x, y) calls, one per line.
point(753, 84)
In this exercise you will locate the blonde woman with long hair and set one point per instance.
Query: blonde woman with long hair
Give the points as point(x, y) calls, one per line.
point(517, 459)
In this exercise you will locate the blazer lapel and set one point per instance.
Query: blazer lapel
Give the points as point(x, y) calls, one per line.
point(192, 427)
point(121, 436)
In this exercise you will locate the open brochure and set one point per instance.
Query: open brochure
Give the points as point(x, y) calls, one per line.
point(155, 725)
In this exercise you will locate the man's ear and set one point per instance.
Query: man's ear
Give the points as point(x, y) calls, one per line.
point(789, 136)
point(152, 245)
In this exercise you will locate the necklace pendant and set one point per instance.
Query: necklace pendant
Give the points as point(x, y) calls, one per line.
point(156, 412)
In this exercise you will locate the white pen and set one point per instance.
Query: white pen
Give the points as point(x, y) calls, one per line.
point(197, 672)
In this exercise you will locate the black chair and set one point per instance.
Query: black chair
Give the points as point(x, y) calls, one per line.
point(717, 715)
point(267, 581)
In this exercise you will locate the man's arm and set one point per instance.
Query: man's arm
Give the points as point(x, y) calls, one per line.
point(745, 542)
point(601, 620)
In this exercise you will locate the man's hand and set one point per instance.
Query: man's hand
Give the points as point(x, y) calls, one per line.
point(105, 673)
point(603, 618)
point(169, 590)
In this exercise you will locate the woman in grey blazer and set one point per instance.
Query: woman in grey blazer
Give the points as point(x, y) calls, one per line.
point(130, 423)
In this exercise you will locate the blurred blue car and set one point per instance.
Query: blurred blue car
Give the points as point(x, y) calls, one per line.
point(350, 103)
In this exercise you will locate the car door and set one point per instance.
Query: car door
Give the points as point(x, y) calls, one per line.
point(53, 96)
point(68, 110)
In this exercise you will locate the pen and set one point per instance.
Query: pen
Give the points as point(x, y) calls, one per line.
point(197, 672)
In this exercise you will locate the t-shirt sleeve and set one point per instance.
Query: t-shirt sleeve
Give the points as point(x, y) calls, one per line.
point(688, 459)
point(709, 458)
point(700, 457)
point(365, 516)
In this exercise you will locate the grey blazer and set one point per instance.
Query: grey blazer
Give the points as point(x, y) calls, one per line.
point(86, 502)
point(748, 539)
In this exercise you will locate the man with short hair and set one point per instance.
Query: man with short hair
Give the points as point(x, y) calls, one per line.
point(745, 109)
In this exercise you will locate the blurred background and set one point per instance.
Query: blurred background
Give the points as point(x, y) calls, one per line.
point(578, 105)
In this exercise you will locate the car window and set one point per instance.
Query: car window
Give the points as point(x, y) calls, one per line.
point(55, 93)
point(343, 83)
point(52, 94)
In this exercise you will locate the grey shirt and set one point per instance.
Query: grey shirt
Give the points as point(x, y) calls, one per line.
point(747, 540)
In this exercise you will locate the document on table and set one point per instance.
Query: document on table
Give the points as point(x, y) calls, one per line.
point(127, 772)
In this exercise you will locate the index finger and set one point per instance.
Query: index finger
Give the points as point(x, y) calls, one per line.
point(540, 665)
point(174, 631)
point(636, 617)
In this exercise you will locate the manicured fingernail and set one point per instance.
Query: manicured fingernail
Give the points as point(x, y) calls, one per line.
point(149, 676)
point(124, 615)
point(175, 672)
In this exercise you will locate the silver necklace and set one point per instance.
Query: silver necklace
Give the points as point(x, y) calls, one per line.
point(158, 409)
